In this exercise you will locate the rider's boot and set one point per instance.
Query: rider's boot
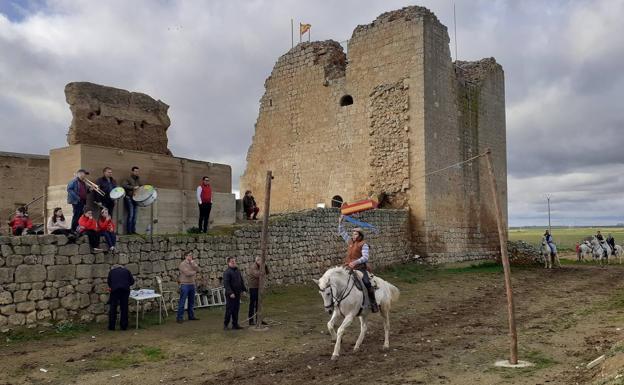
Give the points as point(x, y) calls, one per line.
point(373, 302)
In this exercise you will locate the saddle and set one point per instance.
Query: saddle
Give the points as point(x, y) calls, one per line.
point(359, 284)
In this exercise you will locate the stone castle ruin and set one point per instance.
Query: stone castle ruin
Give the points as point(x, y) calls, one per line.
point(375, 121)
point(112, 117)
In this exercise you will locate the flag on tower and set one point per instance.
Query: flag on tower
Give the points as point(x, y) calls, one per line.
point(303, 28)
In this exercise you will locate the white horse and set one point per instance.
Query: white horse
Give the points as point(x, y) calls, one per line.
point(601, 251)
point(549, 256)
point(342, 298)
point(585, 250)
point(619, 253)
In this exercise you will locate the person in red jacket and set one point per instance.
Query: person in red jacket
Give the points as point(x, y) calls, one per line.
point(20, 222)
point(88, 225)
point(106, 228)
point(204, 200)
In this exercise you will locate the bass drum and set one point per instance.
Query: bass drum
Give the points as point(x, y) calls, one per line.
point(145, 195)
point(117, 193)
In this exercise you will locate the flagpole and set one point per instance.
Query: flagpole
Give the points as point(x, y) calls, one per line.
point(292, 34)
point(309, 31)
point(299, 33)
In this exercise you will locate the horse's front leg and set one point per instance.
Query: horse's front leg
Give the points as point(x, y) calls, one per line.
point(345, 324)
point(385, 313)
point(363, 328)
point(330, 325)
point(557, 261)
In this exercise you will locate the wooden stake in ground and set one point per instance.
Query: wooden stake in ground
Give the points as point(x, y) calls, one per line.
point(502, 235)
point(264, 242)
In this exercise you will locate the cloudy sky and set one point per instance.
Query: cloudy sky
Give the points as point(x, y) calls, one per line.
point(208, 60)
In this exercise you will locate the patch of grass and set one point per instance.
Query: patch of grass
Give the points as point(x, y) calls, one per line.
point(61, 329)
point(125, 359)
point(537, 358)
point(482, 267)
point(565, 238)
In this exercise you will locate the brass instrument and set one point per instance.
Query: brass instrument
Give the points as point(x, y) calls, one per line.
point(94, 187)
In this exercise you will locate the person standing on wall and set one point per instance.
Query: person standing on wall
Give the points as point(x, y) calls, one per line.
point(188, 271)
point(234, 287)
point(253, 277)
point(119, 282)
point(106, 183)
point(131, 185)
point(77, 196)
point(249, 206)
point(204, 200)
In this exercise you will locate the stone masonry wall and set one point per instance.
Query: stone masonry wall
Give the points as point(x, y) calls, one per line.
point(44, 279)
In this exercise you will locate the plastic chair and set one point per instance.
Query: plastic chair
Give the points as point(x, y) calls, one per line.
point(162, 293)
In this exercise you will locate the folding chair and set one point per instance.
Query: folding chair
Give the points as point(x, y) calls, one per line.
point(162, 293)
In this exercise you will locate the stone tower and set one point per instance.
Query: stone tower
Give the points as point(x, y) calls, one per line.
point(374, 122)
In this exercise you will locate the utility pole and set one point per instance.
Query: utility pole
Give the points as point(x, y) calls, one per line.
point(502, 235)
point(548, 200)
point(264, 242)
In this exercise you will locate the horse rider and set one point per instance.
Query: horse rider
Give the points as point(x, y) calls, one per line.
point(601, 239)
point(550, 242)
point(611, 242)
point(357, 257)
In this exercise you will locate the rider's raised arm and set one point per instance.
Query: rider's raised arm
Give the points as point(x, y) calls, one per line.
point(341, 231)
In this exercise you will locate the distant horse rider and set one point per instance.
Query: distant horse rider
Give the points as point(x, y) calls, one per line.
point(357, 257)
point(611, 242)
point(549, 240)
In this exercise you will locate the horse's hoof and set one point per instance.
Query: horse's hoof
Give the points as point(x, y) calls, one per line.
point(386, 347)
point(355, 349)
point(334, 357)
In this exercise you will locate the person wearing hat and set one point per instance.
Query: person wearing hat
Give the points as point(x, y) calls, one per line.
point(357, 258)
point(77, 196)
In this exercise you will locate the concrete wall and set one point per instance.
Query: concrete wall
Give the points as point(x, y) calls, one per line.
point(44, 279)
point(23, 177)
point(175, 179)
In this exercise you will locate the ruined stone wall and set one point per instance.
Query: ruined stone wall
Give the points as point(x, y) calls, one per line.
point(413, 111)
point(112, 117)
point(44, 279)
point(23, 178)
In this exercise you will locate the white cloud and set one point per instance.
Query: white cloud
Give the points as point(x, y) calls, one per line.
point(209, 61)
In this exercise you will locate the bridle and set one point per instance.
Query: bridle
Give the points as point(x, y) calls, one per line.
point(336, 300)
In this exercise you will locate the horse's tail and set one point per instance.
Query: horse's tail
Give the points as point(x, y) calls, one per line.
point(394, 292)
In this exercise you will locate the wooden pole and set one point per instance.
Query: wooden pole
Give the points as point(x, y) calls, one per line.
point(45, 209)
point(502, 235)
point(292, 34)
point(264, 242)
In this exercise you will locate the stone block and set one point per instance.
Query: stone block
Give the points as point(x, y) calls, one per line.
point(84, 249)
point(145, 268)
point(21, 250)
point(6, 297)
point(60, 314)
point(8, 309)
point(3, 320)
point(70, 249)
point(30, 260)
point(30, 273)
point(5, 240)
point(47, 239)
point(14, 260)
point(88, 259)
point(84, 300)
point(35, 295)
point(25, 307)
point(17, 319)
point(30, 240)
point(6, 250)
point(70, 302)
point(31, 317)
point(43, 304)
point(55, 303)
point(47, 260)
point(75, 259)
point(83, 271)
point(61, 273)
point(48, 249)
point(61, 240)
point(43, 314)
point(50, 292)
point(16, 241)
point(20, 296)
point(6, 275)
point(100, 271)
point(84, 288)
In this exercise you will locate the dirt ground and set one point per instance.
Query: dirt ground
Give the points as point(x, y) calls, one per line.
point(448, 328)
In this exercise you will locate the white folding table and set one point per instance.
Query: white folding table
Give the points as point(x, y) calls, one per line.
point(142, 297)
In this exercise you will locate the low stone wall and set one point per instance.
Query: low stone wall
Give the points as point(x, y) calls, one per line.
point(44, 278)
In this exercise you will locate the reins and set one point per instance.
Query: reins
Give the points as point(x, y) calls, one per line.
point(345, 293)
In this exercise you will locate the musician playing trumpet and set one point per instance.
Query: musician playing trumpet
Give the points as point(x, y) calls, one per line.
point(77, 191)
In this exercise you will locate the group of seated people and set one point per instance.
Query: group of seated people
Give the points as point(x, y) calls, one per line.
point(57, 225)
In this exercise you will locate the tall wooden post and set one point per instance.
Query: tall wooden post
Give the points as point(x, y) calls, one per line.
point(502, 235)
point(45, 209)
point(264, 243)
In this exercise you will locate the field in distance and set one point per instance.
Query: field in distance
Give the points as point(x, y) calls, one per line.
point(565, 237)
